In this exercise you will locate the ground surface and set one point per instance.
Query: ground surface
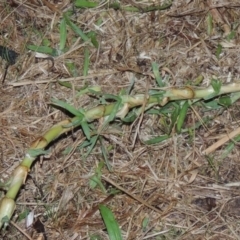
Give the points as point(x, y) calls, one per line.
point(192, 196)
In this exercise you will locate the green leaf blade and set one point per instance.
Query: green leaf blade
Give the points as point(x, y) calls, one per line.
point(157, 74)
point(67, 107)
point(43, 49)
point(157, 140)
point(112, 226)
point(85, 4)
point(86, 129)
point(63, 34)
point(76, 29)
point(182, 116)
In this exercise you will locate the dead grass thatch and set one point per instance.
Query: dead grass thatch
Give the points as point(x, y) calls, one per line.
point(182, 194)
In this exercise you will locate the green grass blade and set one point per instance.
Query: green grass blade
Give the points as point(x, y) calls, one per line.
point(63, 34)
point(227, 101)
point(37, 152)
point(105, 155)
point(67, 107)
point(130, 88)
point(71, 66)
point(95, 180)
point(85, 4)
point(209, 24)
point(182, 116)
point(111, 224)
point(231, 35)
point(93, 37)
point(230, 147)
point(216, 85)
point(174, 116)
point(86, 129)
point(145, 223)
point(219, 51)
point(157, 140)
point(88, 90)
point(115, 109)
point(130, 117)
point(157, 74)
point(65, 84)
point(93, 141)
point(76, 29)
point(43, 49)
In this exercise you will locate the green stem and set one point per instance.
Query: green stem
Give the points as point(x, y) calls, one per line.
point(7, 204)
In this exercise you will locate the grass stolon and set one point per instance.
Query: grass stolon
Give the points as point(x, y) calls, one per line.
point(120, 108)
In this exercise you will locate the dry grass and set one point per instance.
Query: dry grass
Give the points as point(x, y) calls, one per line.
point(187, 196)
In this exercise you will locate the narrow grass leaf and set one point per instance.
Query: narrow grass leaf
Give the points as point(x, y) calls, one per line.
point(65, 84)
point(218, 51)
point(113, 114)
point(174, 117)
point(85, 4)
point(197, 81)
point(209, 24)
point(88, 89)
point(94, 89)
point(86, 129)
point(203, 121)
point(93, 36)
point(43, 49)
point(63, 34)
point(211, 105)
point(115, 109)
point(131, 116)
point(216, 85)
point(230, 147)
point(86, 62)
point(84, 144)
point(37, 152)
point(96, 181)
point(71, 66)
point(231, 35)
point(158, 94)
point(145, 223)
point(76, 122)
point(212, 163)
point(157, 140)
point(75, 28)
point(130, 88)
point(225, 101)
point(235, 96)
point(23, 214)
point(182, 116)
point(46, 42)
point(110, 97)
point(157, 75)
point(93, 141)
point(67, 107)
point(110, 222)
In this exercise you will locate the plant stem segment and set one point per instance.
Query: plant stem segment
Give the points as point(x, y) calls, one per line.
point(7, 204)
